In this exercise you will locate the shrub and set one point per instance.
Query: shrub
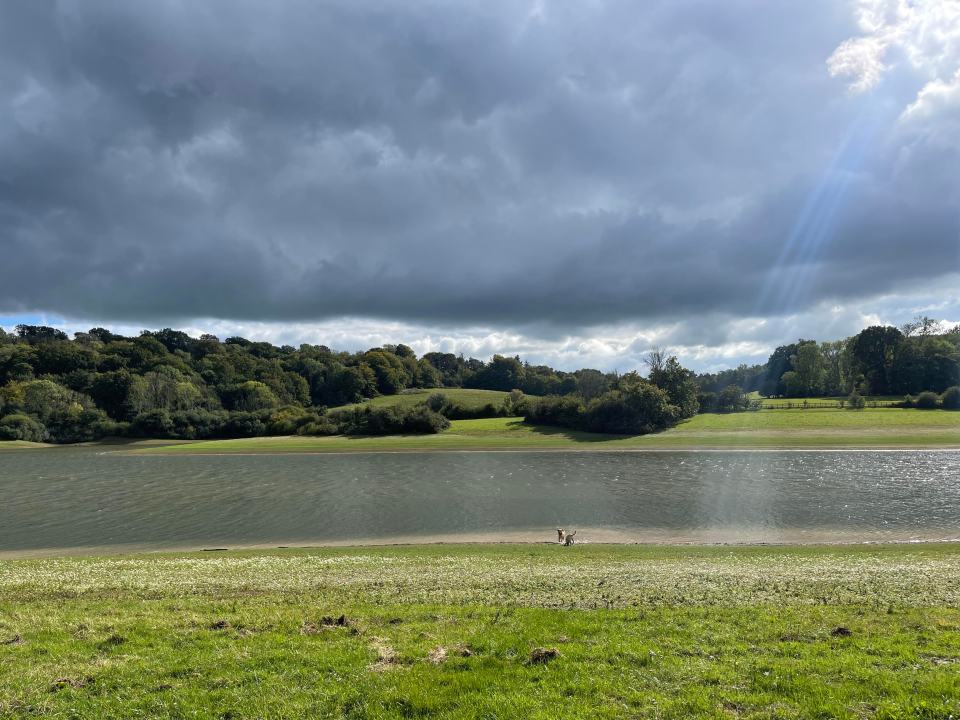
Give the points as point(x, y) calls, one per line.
point(855, 401)
point(244, 424)
point(198, 424)
point(514, 404)
point(22, 427)
point(320, 426)
point(79, 425)
point(367, 420)
point(950, 400)
point(453, 410)
point(565, 411)
point(288, 420)
point(637, 410)
point(635, 407)
point(436, 402)
point(732, 399)
point(155, 423)
point(927, 401)
point(707, 399)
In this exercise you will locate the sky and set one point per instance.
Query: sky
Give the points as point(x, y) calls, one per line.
point(575, 182)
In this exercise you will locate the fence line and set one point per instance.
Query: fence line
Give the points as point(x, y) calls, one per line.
point(801, 405)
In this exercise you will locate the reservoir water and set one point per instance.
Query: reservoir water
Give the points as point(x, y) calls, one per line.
point(85, 499)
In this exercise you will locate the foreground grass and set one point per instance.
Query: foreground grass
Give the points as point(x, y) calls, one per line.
point(871, 428)
point(450, 632)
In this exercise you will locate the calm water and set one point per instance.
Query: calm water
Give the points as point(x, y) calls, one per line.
point(83, 498)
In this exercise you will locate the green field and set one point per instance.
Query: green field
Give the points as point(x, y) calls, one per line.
point(764, 429)
point(877, 428)
point(473, 399)
point(453, 632)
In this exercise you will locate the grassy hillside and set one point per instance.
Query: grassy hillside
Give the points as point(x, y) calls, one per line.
point(409, 398)
point(764, 429)
point(455, 632)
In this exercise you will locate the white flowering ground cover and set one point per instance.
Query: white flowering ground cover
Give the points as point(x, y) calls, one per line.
point(457, 631)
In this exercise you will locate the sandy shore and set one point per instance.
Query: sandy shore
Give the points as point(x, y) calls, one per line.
point(586, 536)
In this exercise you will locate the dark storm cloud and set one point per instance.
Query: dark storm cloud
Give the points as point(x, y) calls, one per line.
point(488, 162)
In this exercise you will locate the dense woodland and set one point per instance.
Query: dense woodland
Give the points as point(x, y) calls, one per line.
point(167, 384)
point(881, 360)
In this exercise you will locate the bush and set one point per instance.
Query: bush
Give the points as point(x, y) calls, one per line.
point(155, 423)
point(289, 420)
point(452, 410)
point(514, 404)
point(732, 399)
point(635, 407)
point(244, 424)
point(199, 424)
point(707, 400)
point(22, 427)
point(436, 402)
point(927, 401)
point(78, 425)
point(637, 411)
point(367, 420)
point(950, 400)
point(561, 410)
point(320, 426)
point(856, 401)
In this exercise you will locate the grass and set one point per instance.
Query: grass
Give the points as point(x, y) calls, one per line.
point(829, 428)
point(450, 632)
point(21, 445)
point(473, 399)
point(766, 429)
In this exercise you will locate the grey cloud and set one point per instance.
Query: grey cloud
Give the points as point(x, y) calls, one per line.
point(465, 163)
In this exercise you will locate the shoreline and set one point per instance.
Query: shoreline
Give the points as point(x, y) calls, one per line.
point(480, 541)
point(431, 451)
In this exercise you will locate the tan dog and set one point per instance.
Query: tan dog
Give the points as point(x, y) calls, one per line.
point(560, 535)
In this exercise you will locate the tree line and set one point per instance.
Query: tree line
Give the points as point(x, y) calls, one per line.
point(168, 384)
point(918, 357)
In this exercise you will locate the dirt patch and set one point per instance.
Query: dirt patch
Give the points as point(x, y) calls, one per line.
point(74, 683)
point(309, 628)
point(541, 656)
point(340, 621)
point(841, 632)
point(15, 640)
point(328, 622)
point(112, 641)
point(386, 655)
point(437, 655)
point(797, 637)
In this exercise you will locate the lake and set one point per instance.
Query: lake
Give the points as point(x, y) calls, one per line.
point(85, 499)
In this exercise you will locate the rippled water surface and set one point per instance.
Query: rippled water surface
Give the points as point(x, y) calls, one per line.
point(82, 498)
